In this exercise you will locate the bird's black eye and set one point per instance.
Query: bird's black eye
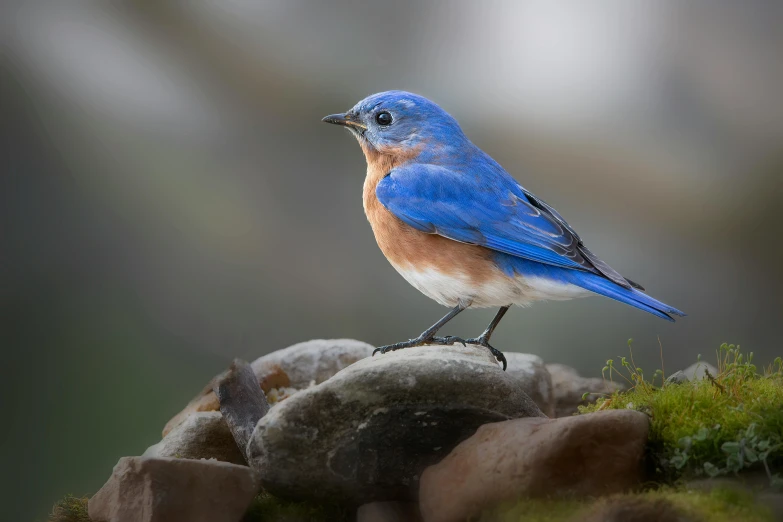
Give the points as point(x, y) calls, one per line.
point(383, 118)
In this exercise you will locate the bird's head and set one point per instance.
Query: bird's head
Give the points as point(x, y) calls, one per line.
point(399, 123)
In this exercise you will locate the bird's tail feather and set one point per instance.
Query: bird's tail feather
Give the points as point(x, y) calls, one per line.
point(631, 296)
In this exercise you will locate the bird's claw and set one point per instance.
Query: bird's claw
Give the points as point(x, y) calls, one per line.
point(448, 340)
point(480, 341)
point(419, 341)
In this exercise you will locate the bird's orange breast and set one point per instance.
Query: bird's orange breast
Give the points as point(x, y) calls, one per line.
point(409, 249)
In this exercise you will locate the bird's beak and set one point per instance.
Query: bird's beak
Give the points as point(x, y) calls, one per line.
point(344, 120)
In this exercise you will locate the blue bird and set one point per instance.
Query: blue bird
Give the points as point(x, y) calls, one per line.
point(460, 229)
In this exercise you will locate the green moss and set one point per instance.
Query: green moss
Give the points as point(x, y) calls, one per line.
point(266, 508)
point(70, 509)
point(722, 424)
point(720, 505)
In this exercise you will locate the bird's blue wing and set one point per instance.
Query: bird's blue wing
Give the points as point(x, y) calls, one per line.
point(487, 208)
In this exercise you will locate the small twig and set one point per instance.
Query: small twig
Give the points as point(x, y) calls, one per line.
point(713, 381)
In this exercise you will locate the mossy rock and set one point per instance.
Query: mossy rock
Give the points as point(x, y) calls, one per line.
point(721, 425)
point(719, 505)
point(70, 509)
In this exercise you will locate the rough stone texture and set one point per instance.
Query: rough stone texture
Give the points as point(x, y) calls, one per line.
point(695, 371)
point(315, 360)
point(174, 490)
point(586, 455)
point(530, 372)
point(202, 435)
point(677, 377)
point(242, 402)
point(389, 512)
point(269, 377)
point(293, 367)
point(568, 388)
point(367, 433)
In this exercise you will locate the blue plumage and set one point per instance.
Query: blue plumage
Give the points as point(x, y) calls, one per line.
point(432, 181)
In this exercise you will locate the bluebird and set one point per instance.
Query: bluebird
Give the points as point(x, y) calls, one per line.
point(460, 229)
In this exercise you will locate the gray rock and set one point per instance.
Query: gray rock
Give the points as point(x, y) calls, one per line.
point(695, 371)
point(367, 433)
point(582, 456)
point(202, 435)
point(530, 372)
point(677, 377)
point(242, 403)
point(174, 490)
point(311, 361)
point(568, 388)
point(315, 360)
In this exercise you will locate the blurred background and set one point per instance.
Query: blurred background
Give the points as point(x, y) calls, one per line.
point(170, 200)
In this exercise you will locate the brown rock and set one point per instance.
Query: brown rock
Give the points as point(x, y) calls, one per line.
point(586, 455)
point(568, 388)
point(174, 490)
point(202, 435)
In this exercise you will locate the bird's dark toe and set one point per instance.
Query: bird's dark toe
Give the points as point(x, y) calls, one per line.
point(448, 340)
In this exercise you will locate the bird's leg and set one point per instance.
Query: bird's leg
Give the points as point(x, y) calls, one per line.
point(483, 339)
point(428, 335)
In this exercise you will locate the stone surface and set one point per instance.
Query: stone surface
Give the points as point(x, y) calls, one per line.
point(367, 433)
point(568, 388)
point(291, 368)
point(242, 402)
point(202, 435)
point(677, 377)
point(585, 455)
point(174, 490)
point(269, 378)
point(530, 372)
point(695, 371)
point(389, 512)
point(315, 360)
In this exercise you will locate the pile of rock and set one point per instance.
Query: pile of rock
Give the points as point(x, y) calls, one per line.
point(435, 432)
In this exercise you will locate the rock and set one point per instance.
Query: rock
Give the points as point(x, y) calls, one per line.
point(389, 512)
point(530, 372)
point(242, 402)
point(677, 377)
point(202, 435)
point(269, 378)
point(568, 388)
point(367, 433)
point(174, 490)
point(291, 368)
point(695, 371)
point(585, 455)
point(315, 360)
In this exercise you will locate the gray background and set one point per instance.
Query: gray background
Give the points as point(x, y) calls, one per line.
point(170, 200)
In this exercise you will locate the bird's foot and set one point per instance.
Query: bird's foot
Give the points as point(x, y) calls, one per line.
point(420, 341)
point(482, 341)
